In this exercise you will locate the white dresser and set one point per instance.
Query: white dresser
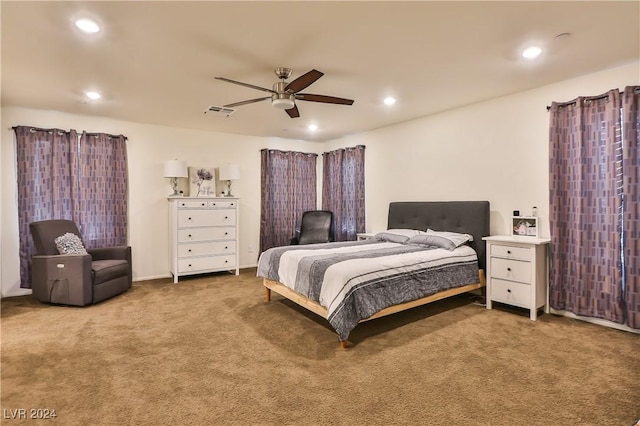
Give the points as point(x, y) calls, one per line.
point(517, 272)
point(203, 235)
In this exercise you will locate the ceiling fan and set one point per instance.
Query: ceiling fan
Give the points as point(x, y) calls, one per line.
point(283, 95)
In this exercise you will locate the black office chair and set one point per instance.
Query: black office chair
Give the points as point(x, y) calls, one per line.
point(316, 227)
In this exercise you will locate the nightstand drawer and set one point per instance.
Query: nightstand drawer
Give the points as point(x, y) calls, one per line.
point(511, 252)
point(205, 249)
point(510, 292)
point(512, 270)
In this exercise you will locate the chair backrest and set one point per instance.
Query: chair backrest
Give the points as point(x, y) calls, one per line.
point(316, 227)
point(45, 232)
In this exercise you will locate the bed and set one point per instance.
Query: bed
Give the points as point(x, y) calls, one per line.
point(430, 251)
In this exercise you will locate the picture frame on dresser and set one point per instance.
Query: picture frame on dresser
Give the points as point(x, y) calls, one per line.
point(525, 226)
point(202, 182)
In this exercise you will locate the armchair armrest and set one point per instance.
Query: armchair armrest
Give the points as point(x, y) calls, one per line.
point(63, 279)
point(106, 253)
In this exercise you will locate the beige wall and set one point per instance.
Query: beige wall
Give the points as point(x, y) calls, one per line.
point(495, 150)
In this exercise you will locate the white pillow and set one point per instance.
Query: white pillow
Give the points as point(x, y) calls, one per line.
point(70, 244)
point(397, 235)
point(441, 239)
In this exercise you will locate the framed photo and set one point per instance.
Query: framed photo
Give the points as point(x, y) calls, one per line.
point(202, 182)
point(525, 226)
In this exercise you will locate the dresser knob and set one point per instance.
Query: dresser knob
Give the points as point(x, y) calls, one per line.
point(189, 250)
point(509, 269)
point(226, 217)
point(226, 261)
point(508, 251)
point(214, 204)
point(189, 235)
point(508, 290)
point(189, 218)
point(226, 233)
point(226, 248)
point(190, 267)
point(203, 204)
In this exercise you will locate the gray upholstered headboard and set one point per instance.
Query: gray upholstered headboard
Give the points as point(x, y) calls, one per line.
point(469, 217)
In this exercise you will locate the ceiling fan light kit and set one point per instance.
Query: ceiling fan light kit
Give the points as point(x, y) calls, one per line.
point(284, 95)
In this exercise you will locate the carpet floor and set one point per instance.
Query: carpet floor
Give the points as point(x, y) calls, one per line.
point(211, 351)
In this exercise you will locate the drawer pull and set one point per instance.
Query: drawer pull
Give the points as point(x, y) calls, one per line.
point(203, 204)
point(226, 248)
point(189, 235)
point(189, 265)
point(226, 233)
point(226, 261)
point(189, 250)
point(509, 269)
point(226, 217)
point(508, 290)
point(508, 251)
point(189, 218)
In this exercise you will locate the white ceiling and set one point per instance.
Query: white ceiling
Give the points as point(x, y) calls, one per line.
point(155, 62)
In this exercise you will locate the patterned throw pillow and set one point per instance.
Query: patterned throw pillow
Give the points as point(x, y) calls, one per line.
point(70, 244)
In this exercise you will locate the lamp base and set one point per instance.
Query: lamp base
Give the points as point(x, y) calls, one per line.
point(228, 194)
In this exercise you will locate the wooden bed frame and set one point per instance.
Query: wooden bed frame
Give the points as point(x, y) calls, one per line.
point(317, 308)
point(471, 217)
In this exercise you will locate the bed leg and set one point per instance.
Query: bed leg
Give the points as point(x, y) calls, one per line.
point(343, 344)
point(267, 293)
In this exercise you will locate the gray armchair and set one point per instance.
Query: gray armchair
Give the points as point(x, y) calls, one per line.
point(75, 279)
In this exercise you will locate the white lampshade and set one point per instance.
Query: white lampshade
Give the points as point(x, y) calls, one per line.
point(230, 172)
point(175, 168)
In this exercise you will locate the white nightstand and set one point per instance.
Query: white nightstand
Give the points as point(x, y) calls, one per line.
point(517, 272)
point(365, 235)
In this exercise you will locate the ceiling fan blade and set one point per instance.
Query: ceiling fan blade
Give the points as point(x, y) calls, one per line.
point(250, 101)
point(245, 84)
point(304, 81)
point(323, 98)
point(293, 112)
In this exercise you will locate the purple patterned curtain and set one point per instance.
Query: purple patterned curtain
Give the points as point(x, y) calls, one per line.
point(585, 204)
point(100, 190)
point(63, 176)
point(288, 190)
point(343, 190)
point(631, 191)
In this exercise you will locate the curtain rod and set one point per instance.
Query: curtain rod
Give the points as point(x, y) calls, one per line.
point(592, 98)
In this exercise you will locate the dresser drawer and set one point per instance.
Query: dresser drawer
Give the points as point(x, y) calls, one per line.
point(206, 204)
point(510, 292)
point(511, 252)
point(206, 263)
point(206, 234)
point(222, 204)
point(206, 249)
point(195, 218)
point(512, 270)
point(193, 204)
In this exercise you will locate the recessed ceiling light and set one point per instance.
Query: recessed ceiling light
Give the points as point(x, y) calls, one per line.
point(87, 25)
point(389, 100)
point(313, 127)
point(92, 95)
point(531, 52)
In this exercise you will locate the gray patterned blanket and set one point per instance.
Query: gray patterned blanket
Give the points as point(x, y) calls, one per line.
point(355, 280)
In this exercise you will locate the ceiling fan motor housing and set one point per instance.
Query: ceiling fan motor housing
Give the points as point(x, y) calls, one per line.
point(281, 99)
